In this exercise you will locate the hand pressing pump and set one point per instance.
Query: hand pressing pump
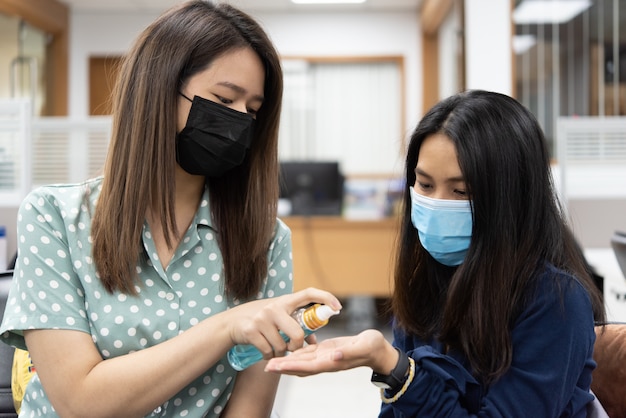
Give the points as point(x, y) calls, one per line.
point(310, 319)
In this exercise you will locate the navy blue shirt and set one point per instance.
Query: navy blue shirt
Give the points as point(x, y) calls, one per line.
point(550, 374)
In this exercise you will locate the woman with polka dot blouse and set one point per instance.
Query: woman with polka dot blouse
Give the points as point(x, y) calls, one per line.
point(130, 288)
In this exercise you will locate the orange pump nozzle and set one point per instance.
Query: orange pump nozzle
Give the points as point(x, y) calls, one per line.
point(317, 316)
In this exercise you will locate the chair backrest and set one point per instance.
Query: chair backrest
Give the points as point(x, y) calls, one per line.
point(609, 377)
point(7, 410)
point(618, 242)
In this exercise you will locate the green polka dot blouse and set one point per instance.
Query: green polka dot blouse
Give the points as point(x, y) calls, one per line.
point(55, 287)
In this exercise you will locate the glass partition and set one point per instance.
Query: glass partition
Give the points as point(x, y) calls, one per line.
point(570, 59)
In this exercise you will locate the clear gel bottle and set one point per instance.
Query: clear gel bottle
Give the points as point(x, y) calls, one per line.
point(310, 319)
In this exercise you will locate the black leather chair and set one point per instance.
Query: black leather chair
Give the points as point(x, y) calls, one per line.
point(7, 410)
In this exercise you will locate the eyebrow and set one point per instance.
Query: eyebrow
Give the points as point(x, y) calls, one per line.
point(239, 89)
point(428, 176)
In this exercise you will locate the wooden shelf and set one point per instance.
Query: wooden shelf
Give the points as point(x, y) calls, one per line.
point(347, 258)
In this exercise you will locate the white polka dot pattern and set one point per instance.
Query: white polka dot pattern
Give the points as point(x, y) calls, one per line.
point(56, 287)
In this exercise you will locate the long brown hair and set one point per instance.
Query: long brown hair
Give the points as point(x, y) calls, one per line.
point(139, 171)
point(518, 227)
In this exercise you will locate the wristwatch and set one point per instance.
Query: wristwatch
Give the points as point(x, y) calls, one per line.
point(395, 379)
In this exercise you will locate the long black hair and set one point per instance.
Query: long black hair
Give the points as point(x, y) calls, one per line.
point(518, 226)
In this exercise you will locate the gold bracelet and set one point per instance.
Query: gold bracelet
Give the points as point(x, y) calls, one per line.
point(407, 382)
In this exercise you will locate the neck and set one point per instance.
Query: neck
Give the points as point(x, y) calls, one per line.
point(187, 196)
point(189, 188)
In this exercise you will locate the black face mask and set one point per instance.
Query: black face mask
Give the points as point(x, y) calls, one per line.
point(215, 138)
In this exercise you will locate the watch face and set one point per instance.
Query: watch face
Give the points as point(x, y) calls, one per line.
point(381, 385)
point(381, 380)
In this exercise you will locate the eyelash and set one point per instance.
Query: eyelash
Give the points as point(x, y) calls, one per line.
point(426, 186)
point(226, 101)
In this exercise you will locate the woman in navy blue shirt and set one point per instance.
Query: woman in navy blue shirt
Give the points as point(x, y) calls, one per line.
point(493, 307)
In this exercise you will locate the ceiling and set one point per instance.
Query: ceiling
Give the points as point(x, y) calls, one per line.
point(133, 6)
point(606, 21)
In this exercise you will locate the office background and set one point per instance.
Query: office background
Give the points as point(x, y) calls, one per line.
point(569, 68)
point(407, 54)
point(423, 50)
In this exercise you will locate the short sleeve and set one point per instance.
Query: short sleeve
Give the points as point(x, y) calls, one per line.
point(46, 292)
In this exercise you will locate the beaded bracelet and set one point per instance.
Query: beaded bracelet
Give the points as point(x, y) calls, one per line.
point(407, 382)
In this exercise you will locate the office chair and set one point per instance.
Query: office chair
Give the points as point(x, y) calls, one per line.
point(618, 242)
point(7, 410)
point(609, 377)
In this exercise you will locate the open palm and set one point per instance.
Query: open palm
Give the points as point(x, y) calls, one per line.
point(331, 355)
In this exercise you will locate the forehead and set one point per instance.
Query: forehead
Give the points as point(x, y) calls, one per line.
point(438, 156)
point(241, 67)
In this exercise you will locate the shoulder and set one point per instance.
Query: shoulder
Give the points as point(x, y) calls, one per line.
point(559, 294)
point(555, 282)
point(59, 197)
point(281, 231)
point(282, 226)
point(280, 244)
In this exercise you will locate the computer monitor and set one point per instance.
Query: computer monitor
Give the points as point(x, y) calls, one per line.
point(313, 188)
point(618, 242)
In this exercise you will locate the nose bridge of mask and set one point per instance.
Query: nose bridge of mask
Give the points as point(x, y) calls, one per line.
point(446, 219)
point(220, 120)
point(441, 204)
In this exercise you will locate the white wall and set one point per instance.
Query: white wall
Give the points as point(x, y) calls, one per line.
point(450, 44)
point(294, 34)
point(488, 62)
point(97, 34)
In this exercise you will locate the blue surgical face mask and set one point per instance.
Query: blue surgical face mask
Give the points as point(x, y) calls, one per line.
point(444, 227)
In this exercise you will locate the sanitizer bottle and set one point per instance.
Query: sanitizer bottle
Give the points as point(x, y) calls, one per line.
point(310, 319)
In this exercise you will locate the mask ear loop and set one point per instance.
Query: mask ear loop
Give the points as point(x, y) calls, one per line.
point(185, 96)
point(181, 93)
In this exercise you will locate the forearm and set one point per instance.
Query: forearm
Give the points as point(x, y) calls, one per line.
point(253, 394)
point(82, 384)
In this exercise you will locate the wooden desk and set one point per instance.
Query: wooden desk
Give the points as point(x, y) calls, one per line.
point(347, 258)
